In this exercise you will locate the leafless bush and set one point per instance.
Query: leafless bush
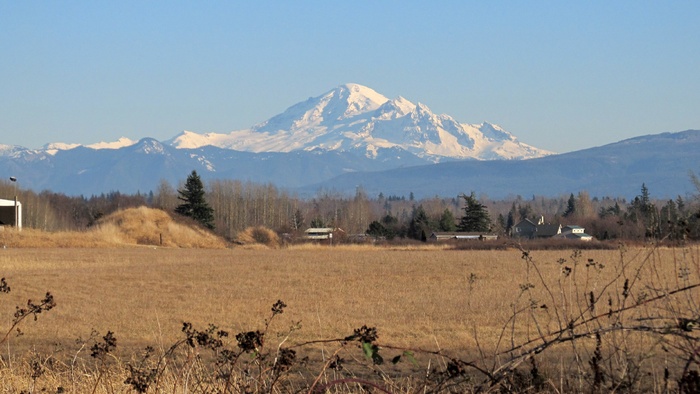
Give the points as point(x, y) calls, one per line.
point(259, 235)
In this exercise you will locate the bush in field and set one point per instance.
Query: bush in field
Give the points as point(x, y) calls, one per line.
point(259, 235)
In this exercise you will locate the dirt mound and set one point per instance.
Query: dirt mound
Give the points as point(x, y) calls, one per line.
point(147, 226)
point(133, 226)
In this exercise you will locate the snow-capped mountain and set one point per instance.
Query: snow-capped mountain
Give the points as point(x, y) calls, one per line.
point(351, 128)
point(355, 118)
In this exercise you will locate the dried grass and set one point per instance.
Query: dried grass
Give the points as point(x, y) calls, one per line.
point(128, 227)
point(459, 302)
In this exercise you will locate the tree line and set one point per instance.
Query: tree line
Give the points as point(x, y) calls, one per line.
point(232, 206)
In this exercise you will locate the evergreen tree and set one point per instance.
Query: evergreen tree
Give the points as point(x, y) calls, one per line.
point(681, 205)
point(643, 212)
point(420, 224)
point(500, 224)
point(525, 211)
point(391, 226)
point(376, 229)
point(570, 206)
point(317, 222)
point(614, 210)
point(447, 221)
point(510, 222)
point(194, 205)
point(476, 217)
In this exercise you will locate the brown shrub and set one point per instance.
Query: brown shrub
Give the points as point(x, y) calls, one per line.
point(259, 235)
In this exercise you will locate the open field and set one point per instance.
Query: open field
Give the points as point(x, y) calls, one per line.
point(413, 297)
point(468, 305)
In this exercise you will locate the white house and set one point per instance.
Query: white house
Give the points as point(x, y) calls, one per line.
point(10, 215)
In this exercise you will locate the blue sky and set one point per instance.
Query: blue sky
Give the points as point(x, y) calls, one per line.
point(559, 76)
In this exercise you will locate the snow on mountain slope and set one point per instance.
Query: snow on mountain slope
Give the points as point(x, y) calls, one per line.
point(9, 150)
point(353, 117)
point(120, 143)
point(53, 147)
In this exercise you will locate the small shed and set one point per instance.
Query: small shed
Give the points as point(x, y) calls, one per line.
point(323, 233)
point(11, 214)
point(318, 233)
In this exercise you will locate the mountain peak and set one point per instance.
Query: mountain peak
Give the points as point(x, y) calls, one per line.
point(356, 92)
point(353, 117)
point(350, 100)
point(188, 140)
point(149, 146)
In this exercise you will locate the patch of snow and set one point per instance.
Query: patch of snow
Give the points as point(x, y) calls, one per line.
point(120, 143)
point(10, 150)
point(203, 160)
point(60, 146)
point(150, 146)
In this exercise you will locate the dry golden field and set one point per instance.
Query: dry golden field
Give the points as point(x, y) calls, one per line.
point(143, 294)
point(429, 299)
point(592, 320)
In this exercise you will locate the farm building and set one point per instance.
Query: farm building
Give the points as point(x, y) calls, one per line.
point(528, 229)
point(322, 233)
point(8, 216)
point(447, 236)
point(574, 232)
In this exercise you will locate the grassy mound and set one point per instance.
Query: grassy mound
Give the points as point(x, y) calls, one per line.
point(128, 227)
point(147, 226)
